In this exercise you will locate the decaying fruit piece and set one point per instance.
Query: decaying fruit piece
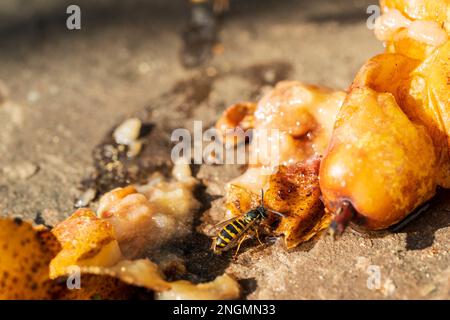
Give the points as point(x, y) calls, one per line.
point(223, 287)
point(130, 215)
point(430, 89)
point(240, 200)
point(378, 160)
point(413, 28)
point(143, 217)
point(25, 253)
point(432, 10)
point(239, 115)
point(290, 123)
point(141, 272)
point(303, 116)
point(421, 91)
point(145, 274)
point(102, 287)
point(387, 72)
point(294, 191)
point(402, 43)
point(86, 240)
point(125, 209)
point(382, 165)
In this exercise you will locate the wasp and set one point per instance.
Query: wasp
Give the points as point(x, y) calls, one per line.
point(238, 229)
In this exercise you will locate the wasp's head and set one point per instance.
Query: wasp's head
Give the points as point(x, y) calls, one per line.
point(261, 212)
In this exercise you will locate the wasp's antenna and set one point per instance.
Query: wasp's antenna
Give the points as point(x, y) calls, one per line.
point(276, 212)
point(270, 210)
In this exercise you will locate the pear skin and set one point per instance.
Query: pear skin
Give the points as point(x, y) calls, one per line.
point(379, 161)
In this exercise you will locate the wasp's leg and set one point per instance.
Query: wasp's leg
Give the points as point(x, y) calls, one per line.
point(257, 237)
point(239, 245)
point(214, 246)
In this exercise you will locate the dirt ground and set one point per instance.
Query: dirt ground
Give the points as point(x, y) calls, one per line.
point(62, 92)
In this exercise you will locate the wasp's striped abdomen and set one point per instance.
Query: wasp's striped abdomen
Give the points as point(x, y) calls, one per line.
point(232, 232)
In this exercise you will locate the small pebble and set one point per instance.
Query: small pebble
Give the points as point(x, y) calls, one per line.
point(86, 198)
point(128, 132)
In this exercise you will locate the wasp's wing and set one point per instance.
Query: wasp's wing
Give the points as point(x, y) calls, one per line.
point(214, 230)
